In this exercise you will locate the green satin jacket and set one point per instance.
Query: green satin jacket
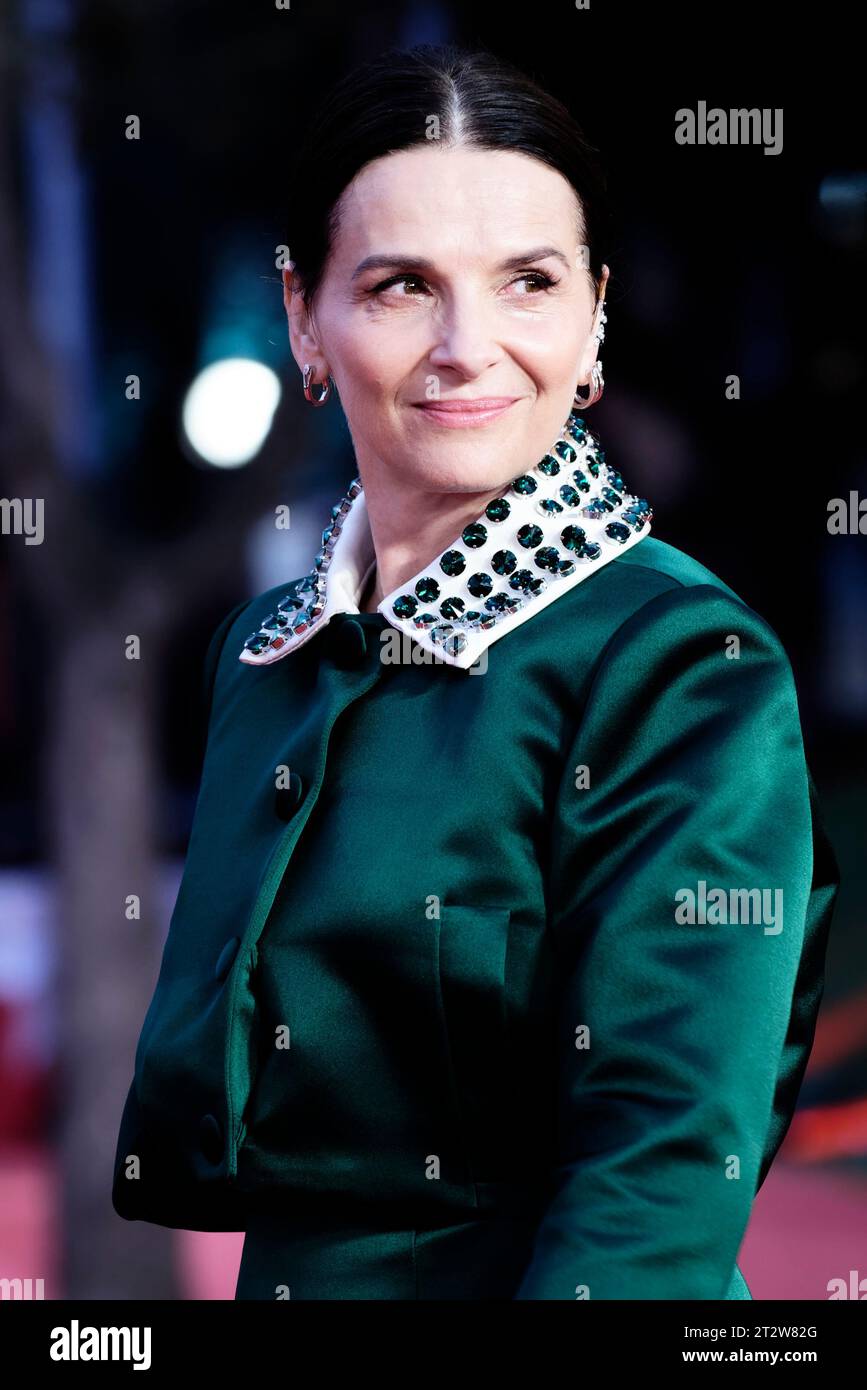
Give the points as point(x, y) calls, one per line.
point(495, 965)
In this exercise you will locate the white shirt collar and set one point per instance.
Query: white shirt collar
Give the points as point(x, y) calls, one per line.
point(472, 593)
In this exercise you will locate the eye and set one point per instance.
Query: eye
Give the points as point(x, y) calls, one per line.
point(542, 280)
point(538, 280)
point(396, 280)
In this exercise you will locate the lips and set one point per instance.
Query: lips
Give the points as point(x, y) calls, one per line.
point(477, 403)
point(465, 414)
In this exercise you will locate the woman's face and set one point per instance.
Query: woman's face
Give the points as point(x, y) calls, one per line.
point(479, 290)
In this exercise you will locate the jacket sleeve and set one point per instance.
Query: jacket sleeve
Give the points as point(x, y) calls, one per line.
point(677, 1038)
point(157, 1193)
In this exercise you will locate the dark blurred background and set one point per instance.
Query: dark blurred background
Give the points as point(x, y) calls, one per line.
point(129, 266)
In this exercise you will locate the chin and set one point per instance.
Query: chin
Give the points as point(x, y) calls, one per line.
point(486, 472)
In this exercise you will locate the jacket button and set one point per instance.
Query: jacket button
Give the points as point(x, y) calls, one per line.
point(348, 643)
point(226, 957)
point(211, 1138)
point(287, 799)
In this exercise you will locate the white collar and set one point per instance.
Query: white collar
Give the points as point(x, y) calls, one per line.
point(496, 554)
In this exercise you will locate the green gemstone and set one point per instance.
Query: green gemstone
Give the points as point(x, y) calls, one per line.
point(427, 589)
point(498, 509)
point(503, 562)
point(480, 584)
point(452, 607)
point(524, 485)
point(530, 536)
point(452, 562)
point(547, 558)
point(549, 465)
point(474, 535)
point(573, 537)
point(405, 606)
point(520, 579)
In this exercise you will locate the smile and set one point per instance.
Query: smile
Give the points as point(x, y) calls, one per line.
point(461, 414)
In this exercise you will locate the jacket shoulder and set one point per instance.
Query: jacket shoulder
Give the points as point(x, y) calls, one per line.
point(663, 568)
point(238, 624)
point(654, 578)
point(651, 597)
point(656, 566)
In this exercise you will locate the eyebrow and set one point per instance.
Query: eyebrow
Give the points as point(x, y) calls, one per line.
point(418, 263)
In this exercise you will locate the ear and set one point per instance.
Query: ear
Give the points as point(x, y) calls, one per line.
point(303, 337)
point(590, 350)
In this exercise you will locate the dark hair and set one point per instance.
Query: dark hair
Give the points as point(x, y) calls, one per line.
point(385, 105)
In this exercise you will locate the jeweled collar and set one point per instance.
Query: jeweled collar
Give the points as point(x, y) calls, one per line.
point(549, 529)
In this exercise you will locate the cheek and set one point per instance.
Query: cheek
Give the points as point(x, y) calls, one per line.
point(548, 352)
point(375, 358)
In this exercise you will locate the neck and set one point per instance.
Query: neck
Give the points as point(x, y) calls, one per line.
point(410, 526)
point(370, 597)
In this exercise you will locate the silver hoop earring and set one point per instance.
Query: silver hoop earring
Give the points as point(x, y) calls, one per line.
point(308, 394)
point(597, 386)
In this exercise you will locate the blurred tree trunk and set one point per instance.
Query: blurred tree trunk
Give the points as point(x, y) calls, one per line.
point(91, 590)
point(99, 778)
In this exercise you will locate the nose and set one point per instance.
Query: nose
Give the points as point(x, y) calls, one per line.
point(465, 339)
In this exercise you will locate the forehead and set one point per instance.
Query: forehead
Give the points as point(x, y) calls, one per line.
point(433, 199)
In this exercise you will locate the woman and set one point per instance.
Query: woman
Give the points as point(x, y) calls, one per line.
point(496, 960)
